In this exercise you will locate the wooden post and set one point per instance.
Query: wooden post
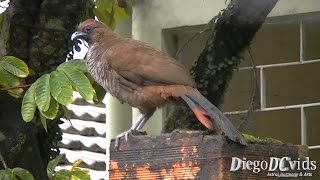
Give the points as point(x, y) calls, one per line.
point(192, 155)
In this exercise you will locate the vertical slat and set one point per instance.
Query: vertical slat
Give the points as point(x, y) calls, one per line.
point(303, 127)
point(302, 42)
point(262, 90)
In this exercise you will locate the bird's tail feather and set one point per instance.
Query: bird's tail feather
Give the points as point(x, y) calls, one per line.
point(199, 112)
point(202, 108)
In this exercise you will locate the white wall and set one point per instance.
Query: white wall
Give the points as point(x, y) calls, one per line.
point(151, 16)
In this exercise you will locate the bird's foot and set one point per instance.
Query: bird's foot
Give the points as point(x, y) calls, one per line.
point(125, 134)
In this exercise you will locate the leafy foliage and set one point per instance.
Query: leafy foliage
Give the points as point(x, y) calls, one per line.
point(15, 173)
point(52, 165)
point(12, 70)
point(110, 11)
point(55, 90)
point(74, 174)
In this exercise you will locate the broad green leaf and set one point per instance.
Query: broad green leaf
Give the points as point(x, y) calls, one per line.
point(6, 174)
point(16, 92)
point(42, 92)
point(80, 82)
point(78, 64)
point(43, 121)
point(111, 19)
point(76, 164)
point(106, 17)
point(74, 177)
point(23, 174)
point(101, 14)
point(82, 174)
point(62, 174)
point(52, 165)
point(52, 112)
point(99, 92)
point(104, 3)
point(120, 13)
point(8, 81)
point(15, 66)
point(60, 88)
point(28, 106)
point(66, 113)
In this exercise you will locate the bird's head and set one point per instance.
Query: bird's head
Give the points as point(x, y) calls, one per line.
point(90, 31)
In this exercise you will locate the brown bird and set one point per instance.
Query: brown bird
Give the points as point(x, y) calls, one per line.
point(145, 78)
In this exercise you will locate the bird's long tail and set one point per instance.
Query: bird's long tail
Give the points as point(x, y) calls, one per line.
point(210, 116)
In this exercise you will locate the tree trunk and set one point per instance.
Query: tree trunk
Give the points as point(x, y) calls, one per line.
point(230, 36)
point(37, 31)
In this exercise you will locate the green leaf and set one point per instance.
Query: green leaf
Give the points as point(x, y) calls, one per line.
point(104, 3)
point(43, 121)
point(52, 165)
point(120, 13)
point(12, 174)
point(15, 66)
point(80, 82)
point(61, 88)
point(66, 112)
point(106, 17)
point(81, 174)
point(101, 14)
point(74, 177)
point(23, 174)
point(78, 64)
point(63, 174)
point(6, 174)
point(52, 112)
point(8, 81)
point(100, 92)
point(42, 92)
point(76, 164)
point(28, 106)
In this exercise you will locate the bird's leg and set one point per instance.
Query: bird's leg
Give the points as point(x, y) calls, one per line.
point(138, 125)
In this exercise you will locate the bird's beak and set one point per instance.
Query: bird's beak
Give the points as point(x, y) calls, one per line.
point(77, 35)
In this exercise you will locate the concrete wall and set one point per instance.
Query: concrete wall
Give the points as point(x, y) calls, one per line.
point(150, 17)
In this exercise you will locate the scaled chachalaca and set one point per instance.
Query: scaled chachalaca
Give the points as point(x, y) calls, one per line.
point(145, 78)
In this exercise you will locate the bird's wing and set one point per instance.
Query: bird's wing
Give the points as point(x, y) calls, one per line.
point(144, 65)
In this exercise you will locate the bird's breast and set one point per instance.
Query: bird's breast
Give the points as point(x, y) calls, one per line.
point(98, 69)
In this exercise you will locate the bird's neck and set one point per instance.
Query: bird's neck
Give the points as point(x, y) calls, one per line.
point(106, 40)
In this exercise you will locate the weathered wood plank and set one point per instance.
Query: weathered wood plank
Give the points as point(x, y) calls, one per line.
point(191, 155)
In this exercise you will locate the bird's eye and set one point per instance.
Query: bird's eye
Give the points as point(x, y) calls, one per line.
point(87, 29)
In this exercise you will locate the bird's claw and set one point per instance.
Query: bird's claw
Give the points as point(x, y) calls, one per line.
point(119, 136)
point(125, 135)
